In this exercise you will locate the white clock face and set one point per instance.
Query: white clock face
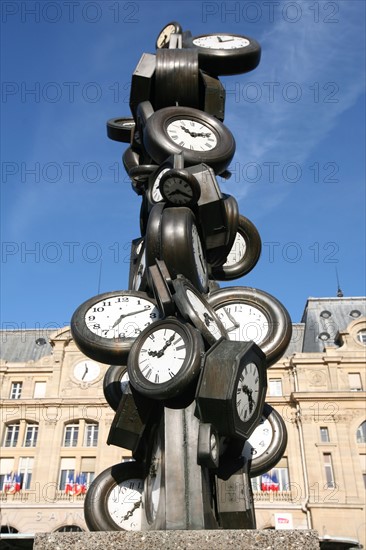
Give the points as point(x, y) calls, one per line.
point(153, 481)
point(191, 134)
point(237, 251)
point(86, 371)
point(247, 392)
point(123, 316)
point(243, 322)
point(164, 36)
point(203, 313)
point(155, 192)
point(140, 271)
point(124, 504)
point(199, 257)
point(221, 42)
point(162, 355)
point(259, 441)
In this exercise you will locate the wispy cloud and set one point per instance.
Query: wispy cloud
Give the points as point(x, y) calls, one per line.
point(321, 64)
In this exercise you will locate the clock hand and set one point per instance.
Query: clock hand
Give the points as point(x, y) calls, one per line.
point(179, 192)
point(208, 319)
point(130, 513)
point(126, 315)
point(231, 318)
point(160, 353)
point(85, 372)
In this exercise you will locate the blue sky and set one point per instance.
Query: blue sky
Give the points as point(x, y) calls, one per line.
point(298, 171)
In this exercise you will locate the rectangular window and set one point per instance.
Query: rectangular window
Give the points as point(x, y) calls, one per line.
point(91, 435)
point(328, 467)
point(324, 435)
point(39, 389)
point(67, 473)
point(31, 435)
point(276, 479)
point(71, 435)
point(16, 390)
point(25, 471)
point(364, 480)
point(355, 383)
point(11, 435)
point(275, 387)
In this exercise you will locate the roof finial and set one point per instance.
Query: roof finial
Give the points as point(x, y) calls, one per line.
point(339, 291)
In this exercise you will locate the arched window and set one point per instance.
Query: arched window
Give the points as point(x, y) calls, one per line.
point(68, 528)
point(71, 435)
point(361, 433)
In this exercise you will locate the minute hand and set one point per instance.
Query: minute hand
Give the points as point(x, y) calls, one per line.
point(126, 315)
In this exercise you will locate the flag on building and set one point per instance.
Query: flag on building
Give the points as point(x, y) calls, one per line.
point(69, 486)
point(12, 484)
point(269, 483)
point(80, 485)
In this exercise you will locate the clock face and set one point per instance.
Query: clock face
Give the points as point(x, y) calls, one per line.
point(259, 441)
point(86, 371)
point(243, 322)
point(155, 191)
point(124, 504)
point(221, 41)
point(162, 355)
point(165, 359)
point(140, 267)
point(153, 481)
point(200, 261)
point(178, 191)
point(205, 314)
point(247, 392)
point(121, 316)
point(237, 251)
point(191, 134)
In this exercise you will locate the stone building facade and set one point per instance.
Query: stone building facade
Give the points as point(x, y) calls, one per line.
point(54, 425)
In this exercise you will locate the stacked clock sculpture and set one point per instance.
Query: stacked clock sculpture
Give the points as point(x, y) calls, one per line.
point(188, 359)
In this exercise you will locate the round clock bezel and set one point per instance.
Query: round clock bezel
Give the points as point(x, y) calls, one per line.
point(102, 349)
point(226, 61)
point(96, 509)
point(182, 288)
point(273, 453)
point(113, 384)
point(177, 29)
point(182, 176)
point(187, 372)
point(181, 246)
point(279, 324)
point(160, 145)
point(253, 246)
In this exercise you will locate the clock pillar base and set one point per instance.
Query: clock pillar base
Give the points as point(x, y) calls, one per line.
point(187, 488)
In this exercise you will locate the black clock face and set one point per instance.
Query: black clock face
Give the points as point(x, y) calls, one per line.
point(199, 135)
point(179, 188)
point(252, 314)
point(165, 359)
point(105, 326)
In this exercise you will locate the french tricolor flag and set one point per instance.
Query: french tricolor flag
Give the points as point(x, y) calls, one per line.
point(269, 483)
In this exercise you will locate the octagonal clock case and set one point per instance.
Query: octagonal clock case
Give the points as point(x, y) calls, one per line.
point(232, 387)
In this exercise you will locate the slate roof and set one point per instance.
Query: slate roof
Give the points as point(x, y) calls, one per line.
point(322, 319)
point(18, 346)
point(325, 317)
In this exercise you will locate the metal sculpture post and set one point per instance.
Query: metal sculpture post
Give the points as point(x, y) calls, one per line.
point(188, 360)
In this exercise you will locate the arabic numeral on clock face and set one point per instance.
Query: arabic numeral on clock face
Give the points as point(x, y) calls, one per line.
point(98, 309)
